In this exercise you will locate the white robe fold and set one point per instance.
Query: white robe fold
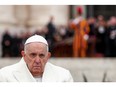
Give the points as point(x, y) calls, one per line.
point(20, 73)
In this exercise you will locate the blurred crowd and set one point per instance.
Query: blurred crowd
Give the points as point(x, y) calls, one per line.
point(102, 37)
point(100, 43)
point(13, 44)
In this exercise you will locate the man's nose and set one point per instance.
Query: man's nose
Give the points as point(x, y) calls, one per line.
point(37, 60)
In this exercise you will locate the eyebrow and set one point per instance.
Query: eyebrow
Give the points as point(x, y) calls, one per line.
point(42, 54)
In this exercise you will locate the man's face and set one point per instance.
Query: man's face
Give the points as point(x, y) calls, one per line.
point(36, 56)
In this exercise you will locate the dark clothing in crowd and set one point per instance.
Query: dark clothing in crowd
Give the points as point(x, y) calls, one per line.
point(91, 41)
point(100, 39)
point(111, 41)
point(6, 45)
point(92, 30)
point(16, 47)
point(50, 35)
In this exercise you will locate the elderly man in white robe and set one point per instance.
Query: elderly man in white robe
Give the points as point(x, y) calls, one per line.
point(34, 65)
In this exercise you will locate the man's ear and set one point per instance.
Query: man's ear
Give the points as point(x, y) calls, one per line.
point(23, 53)
point(49, 55)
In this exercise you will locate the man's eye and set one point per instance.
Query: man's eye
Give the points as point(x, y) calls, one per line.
point(41, 55)
point(32, 54)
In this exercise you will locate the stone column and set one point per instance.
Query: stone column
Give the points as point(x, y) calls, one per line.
point(91, 11)
point(7, 18)
point(40, 14)
point(22, 15)
point(7, 14)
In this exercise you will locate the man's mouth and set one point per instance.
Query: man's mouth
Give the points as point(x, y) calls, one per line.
point(36, 66)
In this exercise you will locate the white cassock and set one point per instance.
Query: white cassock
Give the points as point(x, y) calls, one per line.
point(20, 73)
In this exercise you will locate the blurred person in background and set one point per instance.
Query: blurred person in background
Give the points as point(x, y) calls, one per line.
point(92, 37)
point(34, 65)
point(50, 35)
point(63, 32)
point(111, 38)
point(15, 46)
point(100, 32)
point(6, 44)
point(81, 28)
